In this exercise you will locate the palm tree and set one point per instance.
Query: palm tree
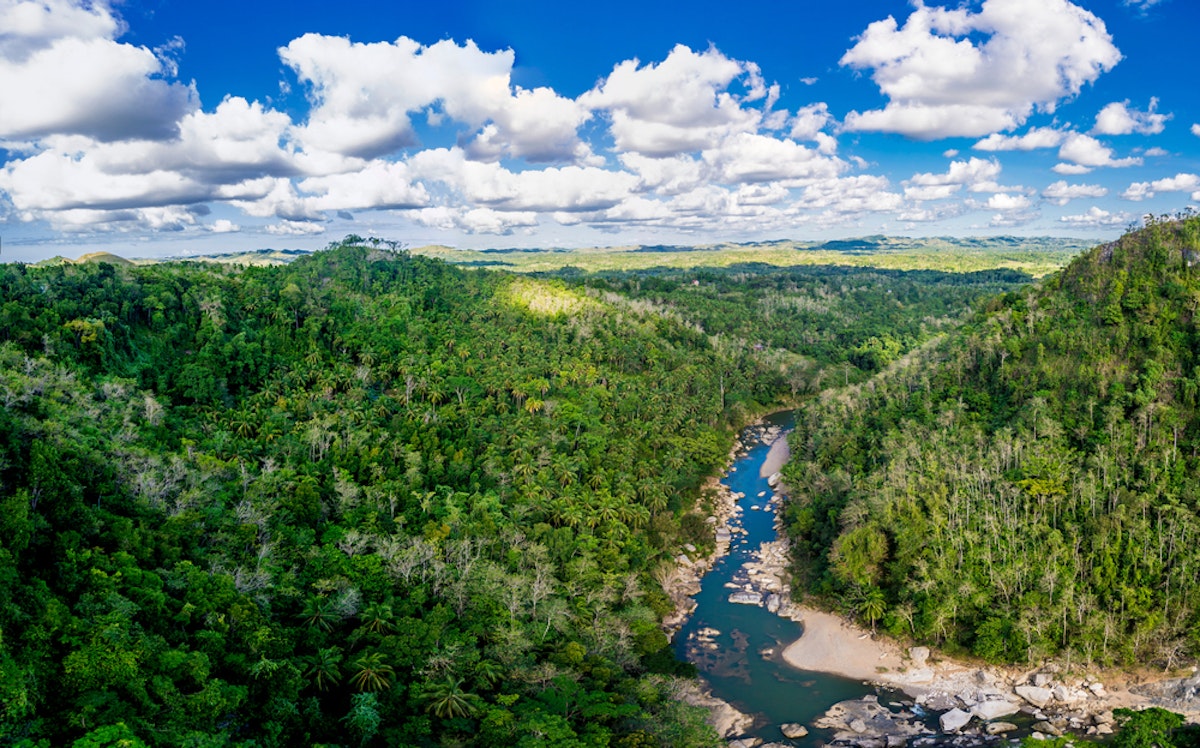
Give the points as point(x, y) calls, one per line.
point(377, 618)
point(323, 667)
point(318, 613)
point(447, 700)
point(872, 606)
point(372, 673)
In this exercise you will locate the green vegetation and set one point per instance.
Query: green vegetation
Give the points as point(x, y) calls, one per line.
point(370, 498)
point(836, 317)
point(1026, 487)
point(365, 498)
point(1035, 256)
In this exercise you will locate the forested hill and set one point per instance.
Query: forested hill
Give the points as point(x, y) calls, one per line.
point(365, 498)
point(1029, 485)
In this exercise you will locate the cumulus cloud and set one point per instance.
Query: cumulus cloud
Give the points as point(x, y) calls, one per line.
point(1003, 201)
point(682, 104)
point(1038, 137)
point(62, 71)
point(224, 226)
point(1196, 130)
point(475, 220)
point(976, 174)
point(961, 73)
point(569, 188)
point(748, 157)
point(295, 228)
point(1097, 218)
point(1118, 119)
point(1086, 151)
point(1060, 192)
point(364, 96)
point(1182, 182)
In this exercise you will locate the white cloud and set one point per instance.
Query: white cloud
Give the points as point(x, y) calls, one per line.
point(1060, 192)
point(569, 188)
point(747, 157)
point(940, 82)
point(1038, 137)
point(1098, 218)
point(1013, 218)
point(1196, 130)
point(295, 228)
point(1071, 169)
point(1156, 152)
point(950, 153)
point(474, 220)
point(682, 104)
point(1118, 119)
point(665, 176)
point(224, 226)
point(1005, 202)
point(379, 184)
point(364, 95)
point(1084, 150)
point(1182, 182)
point(810, 121)
point(976, 174)
point(62, 71)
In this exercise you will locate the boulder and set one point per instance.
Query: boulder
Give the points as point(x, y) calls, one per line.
point(746, 598)
point(773, 602)
point(919, 655)
point(1041, 680)
point(999, 728)
point(1039, 697)
point(1104, 718)
point(1047, 727)
point(793, 730)
point(745, 743)
point(858, 725)
point(995, 709)
point(954, 720)
point(1097, 689)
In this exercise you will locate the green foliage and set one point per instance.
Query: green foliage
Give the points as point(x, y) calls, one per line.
point(1027, 487)
point(364, 498)
point(1153, 727)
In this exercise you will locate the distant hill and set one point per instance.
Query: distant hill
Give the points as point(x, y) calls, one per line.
point(1026, 487)
point(102, 257)
point(1036, 256)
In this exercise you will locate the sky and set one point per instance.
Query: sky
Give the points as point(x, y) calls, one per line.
point(153, 128)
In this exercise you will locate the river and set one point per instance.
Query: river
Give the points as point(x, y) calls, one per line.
point(745, 668)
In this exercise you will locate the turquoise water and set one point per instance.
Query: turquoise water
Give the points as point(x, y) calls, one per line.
point(745, 668)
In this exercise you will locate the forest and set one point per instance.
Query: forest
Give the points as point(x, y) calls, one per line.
point(1025, 487)
point(372, 498)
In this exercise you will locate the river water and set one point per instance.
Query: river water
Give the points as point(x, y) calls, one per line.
point(745, 668)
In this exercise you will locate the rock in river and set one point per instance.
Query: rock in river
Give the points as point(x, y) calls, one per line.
point(793, 730)
point(954, 720)
point(746, 598)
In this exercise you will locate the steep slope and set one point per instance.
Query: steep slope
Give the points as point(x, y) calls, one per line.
point(1029, 485)
point(365, 497)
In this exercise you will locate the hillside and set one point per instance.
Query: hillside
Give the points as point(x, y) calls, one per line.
point(362, 497)
point(1027, 486)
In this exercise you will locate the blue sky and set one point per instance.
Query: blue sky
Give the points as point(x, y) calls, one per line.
point(156, 128)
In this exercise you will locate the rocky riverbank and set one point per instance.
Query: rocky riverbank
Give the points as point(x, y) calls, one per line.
point(681, 581)
point(973, 705)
